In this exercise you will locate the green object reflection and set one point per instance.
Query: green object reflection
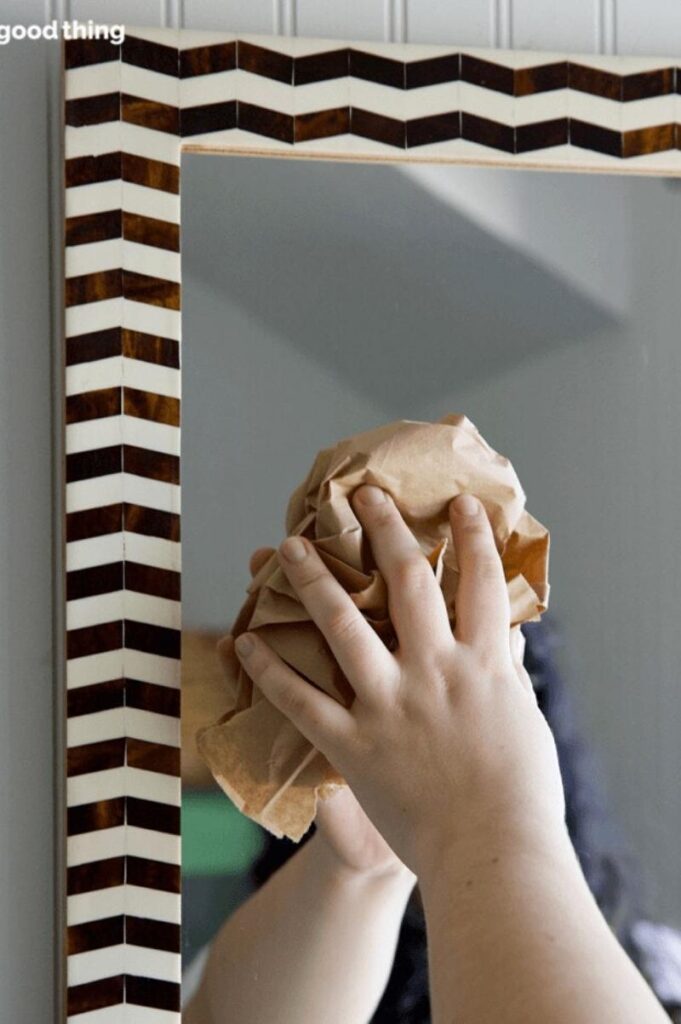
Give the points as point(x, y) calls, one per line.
point(216, 838)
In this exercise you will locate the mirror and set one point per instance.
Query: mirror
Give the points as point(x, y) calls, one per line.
point(321, 299)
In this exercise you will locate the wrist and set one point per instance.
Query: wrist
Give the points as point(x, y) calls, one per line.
point(487, 855)
point(393, 875)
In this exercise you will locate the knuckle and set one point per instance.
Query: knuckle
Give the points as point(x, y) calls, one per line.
point(343, 624)
point(476, 528)
point(478, 537)
point(262, 668)
point(259, 662)
point(366, 748)
point(488, 659)
point(412, 574)
point(495, 664)
point(312, 577)
point(291, 701)
point(381, 516)
point(488, 567)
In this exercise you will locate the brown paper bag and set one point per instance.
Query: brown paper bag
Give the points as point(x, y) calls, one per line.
point(271, 772)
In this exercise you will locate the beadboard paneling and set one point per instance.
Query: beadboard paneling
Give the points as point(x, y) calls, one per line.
point(114, 12)
point(468, 22)
point(652, 29)
point(342, 20)
point(545, 26)
point(230, 15)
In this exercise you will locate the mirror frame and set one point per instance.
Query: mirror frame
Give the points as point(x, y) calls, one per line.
point(130, 110)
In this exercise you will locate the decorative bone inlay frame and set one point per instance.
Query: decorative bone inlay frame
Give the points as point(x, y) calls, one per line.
point(130, 111)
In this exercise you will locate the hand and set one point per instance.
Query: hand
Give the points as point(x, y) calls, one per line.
point(353, 841)
point(344, 830)
point(444, 744)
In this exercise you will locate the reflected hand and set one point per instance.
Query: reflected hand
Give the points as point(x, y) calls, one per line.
point(353, 839)
point(342, 825)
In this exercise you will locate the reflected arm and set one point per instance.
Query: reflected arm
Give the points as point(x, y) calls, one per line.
point(315, 942)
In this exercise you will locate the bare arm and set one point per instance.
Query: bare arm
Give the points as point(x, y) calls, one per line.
point(527, 915)
point(315, 943)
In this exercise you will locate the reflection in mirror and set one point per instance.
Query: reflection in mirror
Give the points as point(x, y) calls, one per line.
point(322, 299)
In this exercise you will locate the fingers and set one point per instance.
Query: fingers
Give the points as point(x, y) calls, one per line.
point(258, 559)
point(417, 608)
point(361, 654)
point(482, 607)
point(320, 718)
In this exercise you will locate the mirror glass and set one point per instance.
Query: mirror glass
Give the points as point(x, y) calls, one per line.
point(321, 299)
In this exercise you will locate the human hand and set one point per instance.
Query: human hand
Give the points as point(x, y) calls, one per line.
point(349, 838)
point(353, 841)
point(444, 744)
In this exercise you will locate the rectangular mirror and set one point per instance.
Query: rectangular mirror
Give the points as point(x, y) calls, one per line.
point(321, 300)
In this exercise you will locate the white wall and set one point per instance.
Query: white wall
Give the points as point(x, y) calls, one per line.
point(580, 26)
point(29, 190)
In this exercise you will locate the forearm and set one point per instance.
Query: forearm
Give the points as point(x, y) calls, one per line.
point(316, 942)
point(519, 937)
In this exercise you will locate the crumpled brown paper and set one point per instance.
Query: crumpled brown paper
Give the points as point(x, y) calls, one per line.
point(268, 769)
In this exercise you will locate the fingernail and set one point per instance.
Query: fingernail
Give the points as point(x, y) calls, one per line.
point(244, 645)
point(466, 505)
point(294, 549)
point(370, 495)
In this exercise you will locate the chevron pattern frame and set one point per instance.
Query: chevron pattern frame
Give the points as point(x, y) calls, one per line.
point(129, 112)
